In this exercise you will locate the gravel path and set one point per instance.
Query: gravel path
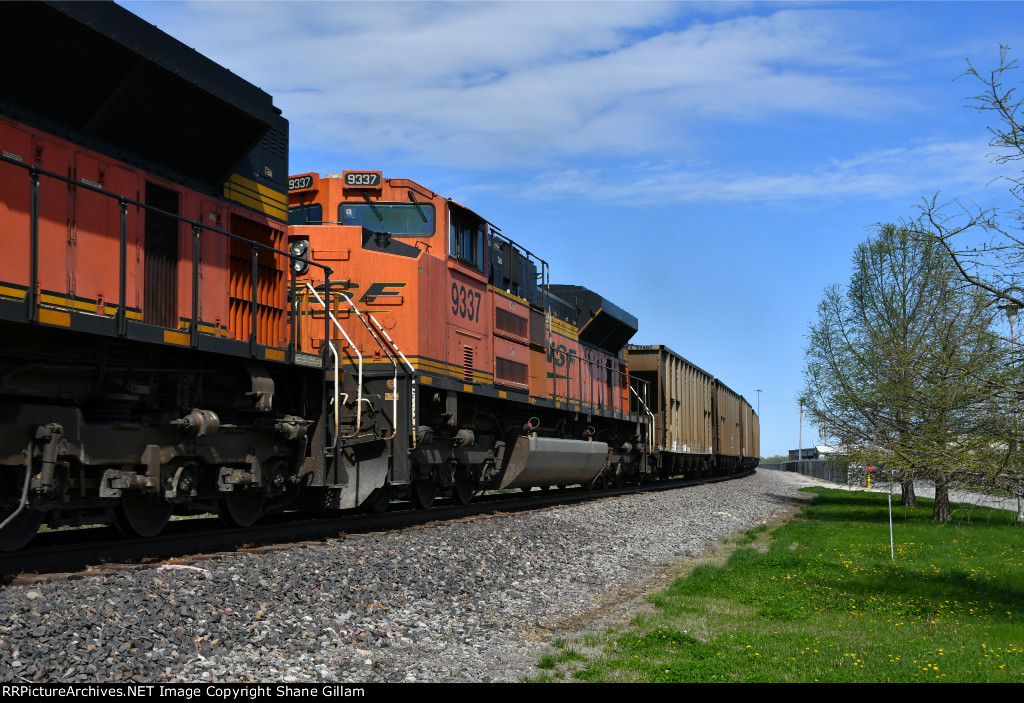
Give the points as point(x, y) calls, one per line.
point(475, 600)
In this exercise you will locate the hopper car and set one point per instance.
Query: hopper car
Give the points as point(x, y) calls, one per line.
point(189, 329)
point(700, 425)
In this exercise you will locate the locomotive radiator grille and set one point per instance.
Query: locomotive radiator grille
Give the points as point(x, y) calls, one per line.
point(512, 371)
point(270, 310)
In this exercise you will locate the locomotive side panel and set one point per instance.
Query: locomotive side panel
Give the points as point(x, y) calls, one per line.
point(511, 318)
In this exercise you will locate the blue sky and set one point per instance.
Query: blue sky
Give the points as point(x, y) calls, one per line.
point(709, 167)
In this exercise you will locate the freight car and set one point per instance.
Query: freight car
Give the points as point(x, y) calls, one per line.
point(701, 426)
point(187, 329)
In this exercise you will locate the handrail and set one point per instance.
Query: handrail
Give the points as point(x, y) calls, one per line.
point(23, 503)
point(650, 432)
point(32, 302)
point(394, 395)
point(412, 381)
point(337, 367)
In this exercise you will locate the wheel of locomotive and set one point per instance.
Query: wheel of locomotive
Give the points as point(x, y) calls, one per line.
point(142, 514)
point(463, 491)
point(561, 486)
point(241, 508)
point(423, 492)
point(19, 531)
point(379, 500)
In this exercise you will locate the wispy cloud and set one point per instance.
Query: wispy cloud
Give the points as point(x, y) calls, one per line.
point(493, 85)
point(957, 168)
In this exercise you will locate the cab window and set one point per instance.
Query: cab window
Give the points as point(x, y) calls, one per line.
point(466, 239)
point(306, 215)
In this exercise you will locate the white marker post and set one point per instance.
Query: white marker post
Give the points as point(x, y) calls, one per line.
point(892, 546)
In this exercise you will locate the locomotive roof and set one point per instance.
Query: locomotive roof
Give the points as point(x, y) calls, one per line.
point(94, 72)
point(600, 321)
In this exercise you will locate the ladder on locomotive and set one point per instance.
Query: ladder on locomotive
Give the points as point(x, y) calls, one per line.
point(338, 399)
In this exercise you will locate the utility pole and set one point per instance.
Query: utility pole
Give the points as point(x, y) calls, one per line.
point(1011, 310)
point(800, 440)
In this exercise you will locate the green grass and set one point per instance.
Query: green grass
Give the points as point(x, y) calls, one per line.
point(819, 599)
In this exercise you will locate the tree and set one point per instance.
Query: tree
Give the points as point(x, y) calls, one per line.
point(898, 364)
point(987, 251)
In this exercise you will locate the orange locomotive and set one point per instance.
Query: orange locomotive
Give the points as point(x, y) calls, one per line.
point(443, 331)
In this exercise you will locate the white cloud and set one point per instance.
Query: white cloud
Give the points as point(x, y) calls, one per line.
point(959, 169)
point(493, 85)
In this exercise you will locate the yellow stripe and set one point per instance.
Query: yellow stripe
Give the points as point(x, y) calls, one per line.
point(274, 354)
point(12, 293)
point(263, 190)
point(592, 318)
point(564, 329)
point(259, 197)
point(176, 338)
point(444, 369)
point(204, 328)
point(47, 299)
point(256, 204)
point(53, 317)
point(426, 380)
point(88, 305)
point(439, 368)
point(467, 388)
point(509, 296)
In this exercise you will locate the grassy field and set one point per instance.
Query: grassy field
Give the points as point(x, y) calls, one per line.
point(820, 599)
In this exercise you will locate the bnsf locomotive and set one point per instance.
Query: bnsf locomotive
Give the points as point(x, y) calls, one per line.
point(186, 329)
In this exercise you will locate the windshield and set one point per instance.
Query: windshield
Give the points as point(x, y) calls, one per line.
point(400, 219)
point(306, 215)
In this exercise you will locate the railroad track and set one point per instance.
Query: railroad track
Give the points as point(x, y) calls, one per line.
point(83, 552)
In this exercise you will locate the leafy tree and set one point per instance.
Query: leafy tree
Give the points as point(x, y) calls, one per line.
point(898, 364)
point(987, 251)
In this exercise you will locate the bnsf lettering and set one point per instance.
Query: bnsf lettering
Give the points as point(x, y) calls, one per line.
point(465, 302)
point(559, 356)
point(379, 290)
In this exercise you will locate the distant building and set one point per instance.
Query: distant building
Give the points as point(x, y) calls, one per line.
point(805, 454)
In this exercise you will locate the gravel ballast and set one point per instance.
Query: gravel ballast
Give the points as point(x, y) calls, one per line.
point(472, 600)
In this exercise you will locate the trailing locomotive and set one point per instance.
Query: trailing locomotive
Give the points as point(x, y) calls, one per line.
point(146, 365)
point(189, 330)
